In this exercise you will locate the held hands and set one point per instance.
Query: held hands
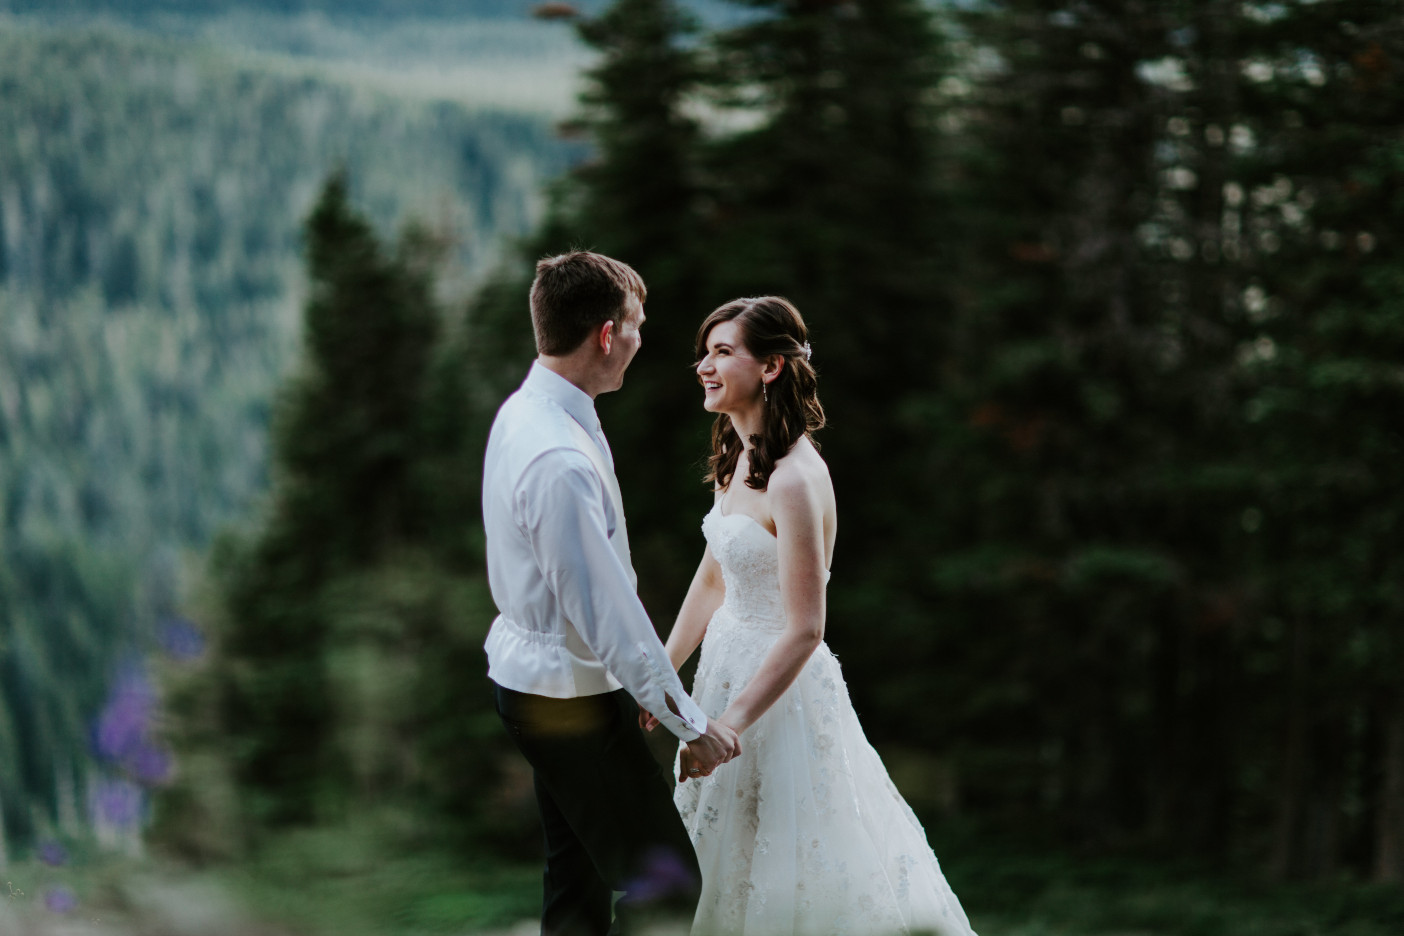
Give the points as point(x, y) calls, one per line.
point(709, 751)
point(703, 754)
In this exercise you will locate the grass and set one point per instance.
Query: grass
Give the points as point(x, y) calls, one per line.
point(1009, 890)
point(352, 882)
point(346, 881)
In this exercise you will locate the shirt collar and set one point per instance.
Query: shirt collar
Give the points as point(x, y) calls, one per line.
point(572, 399)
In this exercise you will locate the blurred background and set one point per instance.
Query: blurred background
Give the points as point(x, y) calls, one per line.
point(1107, 300)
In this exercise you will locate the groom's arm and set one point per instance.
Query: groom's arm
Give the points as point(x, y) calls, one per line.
point(560, 504)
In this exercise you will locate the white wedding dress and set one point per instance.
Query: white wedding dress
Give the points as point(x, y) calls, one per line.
point(803, 833)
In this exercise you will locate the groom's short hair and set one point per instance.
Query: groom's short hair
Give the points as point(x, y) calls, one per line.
point(575, 293)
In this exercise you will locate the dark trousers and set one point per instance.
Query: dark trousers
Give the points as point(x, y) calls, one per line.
point(607, 812)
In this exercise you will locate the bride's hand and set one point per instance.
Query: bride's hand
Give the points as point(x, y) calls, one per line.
point(708, 751)
point(690, 768)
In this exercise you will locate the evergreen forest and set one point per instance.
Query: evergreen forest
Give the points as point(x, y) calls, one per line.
point(1107, 303)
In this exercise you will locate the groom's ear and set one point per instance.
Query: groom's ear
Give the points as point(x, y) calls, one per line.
point(605, 336)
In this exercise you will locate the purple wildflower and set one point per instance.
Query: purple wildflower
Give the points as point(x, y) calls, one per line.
point(122, 732)
point(118, 802)
point(60, 900)
point(664, 875)
point(52, 853)
point(150, 764)
point(122, 725)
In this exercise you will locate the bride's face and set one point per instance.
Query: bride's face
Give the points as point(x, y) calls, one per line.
point(730, 376)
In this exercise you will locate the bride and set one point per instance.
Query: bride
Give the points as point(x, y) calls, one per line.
point(803, 833)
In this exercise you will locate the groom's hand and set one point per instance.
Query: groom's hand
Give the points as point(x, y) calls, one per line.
point(707, 752)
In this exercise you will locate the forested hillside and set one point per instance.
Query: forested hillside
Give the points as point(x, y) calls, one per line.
point(151, 194)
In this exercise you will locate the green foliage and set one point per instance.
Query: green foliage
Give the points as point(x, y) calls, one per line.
point(61, 626)
point(372, 878)
point(1105, 302)
point(1103, 305)
point(706, 213)
point(363, 880)
point(350, 623)
point(342, 444)
point(344, 441)
point(1153, 330)
point(1062, 893)
point(150, 195)
point(366, 878)
point(346, 434)
point(1323, 333)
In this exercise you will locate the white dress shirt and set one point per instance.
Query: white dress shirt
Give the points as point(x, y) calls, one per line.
point(570, 622)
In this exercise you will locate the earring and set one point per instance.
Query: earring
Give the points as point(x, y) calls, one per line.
point(765, 395)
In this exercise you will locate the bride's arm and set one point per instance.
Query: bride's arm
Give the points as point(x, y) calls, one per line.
point(799, 525)
point(704, 597)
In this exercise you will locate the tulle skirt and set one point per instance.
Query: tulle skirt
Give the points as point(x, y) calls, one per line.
point(804, 832)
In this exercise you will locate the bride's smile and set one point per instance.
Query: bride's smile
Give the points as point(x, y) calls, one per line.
point(731, 378)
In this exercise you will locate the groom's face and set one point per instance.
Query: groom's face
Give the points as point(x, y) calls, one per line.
point(627, 341)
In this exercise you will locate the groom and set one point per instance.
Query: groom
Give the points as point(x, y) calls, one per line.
point(573, 649)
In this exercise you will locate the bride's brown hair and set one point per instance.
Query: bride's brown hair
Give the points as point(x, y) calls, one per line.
point(769, 325)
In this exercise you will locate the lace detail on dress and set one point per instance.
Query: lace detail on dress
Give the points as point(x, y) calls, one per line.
point(749, 559)
point(804, 833)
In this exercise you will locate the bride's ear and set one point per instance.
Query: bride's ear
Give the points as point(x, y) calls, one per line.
point(774, 364)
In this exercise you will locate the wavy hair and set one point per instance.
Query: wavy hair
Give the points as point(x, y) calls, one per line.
point(769, 325)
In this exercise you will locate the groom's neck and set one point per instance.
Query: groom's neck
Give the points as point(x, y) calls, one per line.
point(574, 367)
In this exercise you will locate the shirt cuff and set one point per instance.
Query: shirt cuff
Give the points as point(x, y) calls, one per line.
point(690, 722)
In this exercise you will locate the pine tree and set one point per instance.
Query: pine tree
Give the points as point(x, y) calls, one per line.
point(345, 443)
point(1081, 405)
point(835, 199)
point(1322, 331)
point(1170, 409)
point(637, 198)
point(832, 198)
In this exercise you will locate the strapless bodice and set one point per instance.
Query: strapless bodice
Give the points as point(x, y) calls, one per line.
point(750, 561)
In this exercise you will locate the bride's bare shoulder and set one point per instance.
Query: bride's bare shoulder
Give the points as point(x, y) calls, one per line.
point(802, 473)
